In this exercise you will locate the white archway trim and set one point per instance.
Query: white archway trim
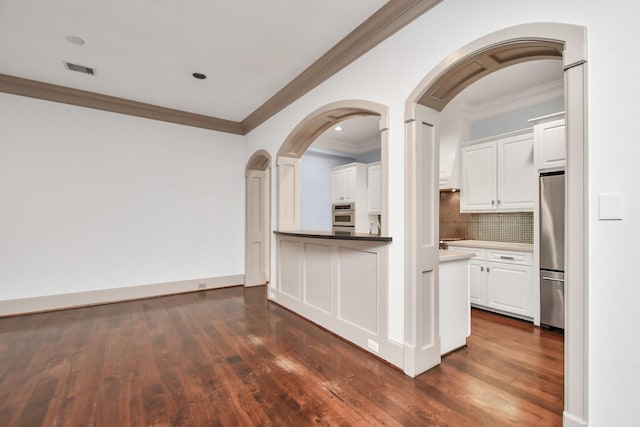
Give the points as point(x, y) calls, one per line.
point(312, 126)
point(573, 37)
point(576, 324)
point(260, 160)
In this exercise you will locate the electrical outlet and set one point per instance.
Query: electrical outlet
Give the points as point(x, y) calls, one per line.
point(202, 285)
point(372, 345)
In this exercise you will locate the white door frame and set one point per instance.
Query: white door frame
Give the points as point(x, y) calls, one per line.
point(576, 287)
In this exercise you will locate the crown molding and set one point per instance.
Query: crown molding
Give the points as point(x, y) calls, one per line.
point(526, 98)
point(82, 98)
point(390, 18)
point(383, 23)
point(349, 148)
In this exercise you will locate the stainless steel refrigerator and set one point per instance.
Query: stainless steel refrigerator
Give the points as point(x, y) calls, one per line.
point(552, 249)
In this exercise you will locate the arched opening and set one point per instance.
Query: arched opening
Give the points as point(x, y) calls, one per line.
point(303, 136)
point(462, 68)
point(257, 219)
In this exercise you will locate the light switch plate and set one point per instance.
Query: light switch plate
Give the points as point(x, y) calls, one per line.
point(610, 206)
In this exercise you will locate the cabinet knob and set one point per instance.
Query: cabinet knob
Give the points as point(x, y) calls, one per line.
point(493, 202)
point(498, 201)
point(481, 268)
point(488, 269)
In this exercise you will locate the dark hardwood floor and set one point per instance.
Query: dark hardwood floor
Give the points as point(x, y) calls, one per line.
point(228, 358)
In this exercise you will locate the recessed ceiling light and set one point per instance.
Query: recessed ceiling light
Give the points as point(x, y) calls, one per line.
point(337, 128)
point(75, 40)
point(199, 76)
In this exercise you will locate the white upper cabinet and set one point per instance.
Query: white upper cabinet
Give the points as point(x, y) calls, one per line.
point(516, 173)
point(344, 183)
point(349, 183)
point(374, 188)
point(498, 174)
point(550, 142)
point(478, 184)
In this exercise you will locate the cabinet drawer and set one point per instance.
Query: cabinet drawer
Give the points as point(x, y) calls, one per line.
point(510, 257)
point(480, 254)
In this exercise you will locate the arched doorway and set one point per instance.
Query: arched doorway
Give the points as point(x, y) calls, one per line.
point(301, 138)
point(337, 262)
point(465, 66)
point(257, 219)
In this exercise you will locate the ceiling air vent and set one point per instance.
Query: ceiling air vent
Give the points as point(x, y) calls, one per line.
point(80, 68)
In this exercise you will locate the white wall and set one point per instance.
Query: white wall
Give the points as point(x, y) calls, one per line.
point(94, 200)
point(393, 69)
point(315, 189)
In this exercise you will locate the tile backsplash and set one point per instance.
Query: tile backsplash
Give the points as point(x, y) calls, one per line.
point(516, 227)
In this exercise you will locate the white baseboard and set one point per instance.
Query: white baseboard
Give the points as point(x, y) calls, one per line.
point(104, 296)
point(395, 353)
point(569, 420)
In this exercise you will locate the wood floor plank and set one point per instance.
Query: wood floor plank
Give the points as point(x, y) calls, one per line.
point(229, 357)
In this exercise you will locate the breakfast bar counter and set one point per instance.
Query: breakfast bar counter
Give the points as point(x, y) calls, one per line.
point(340, 282)
point(335, 235)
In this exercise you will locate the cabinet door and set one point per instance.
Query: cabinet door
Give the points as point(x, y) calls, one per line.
point(509, 288)
point(337, 186)
point(477, 282)
point(374, 189)
point(516, 173)
point(478, 186)
point(349, 177)
point(550, 144)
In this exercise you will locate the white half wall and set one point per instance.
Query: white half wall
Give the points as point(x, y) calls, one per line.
point(92, 200)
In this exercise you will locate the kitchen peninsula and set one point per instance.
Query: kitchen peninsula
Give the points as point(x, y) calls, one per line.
point(340, 281)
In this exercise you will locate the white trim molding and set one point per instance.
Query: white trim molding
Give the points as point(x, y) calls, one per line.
point(38, 304)
point(569, 420)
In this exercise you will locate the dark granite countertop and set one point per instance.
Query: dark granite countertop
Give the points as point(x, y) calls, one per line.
point(339, 235)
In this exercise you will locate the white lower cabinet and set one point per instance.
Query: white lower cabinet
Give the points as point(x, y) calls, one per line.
point(509, 288)
point(501, 280)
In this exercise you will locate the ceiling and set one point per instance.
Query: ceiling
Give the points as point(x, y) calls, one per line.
point(257, 56)
point(355, 136)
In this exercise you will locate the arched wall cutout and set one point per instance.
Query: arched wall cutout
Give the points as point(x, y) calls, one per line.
point(447, 79)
